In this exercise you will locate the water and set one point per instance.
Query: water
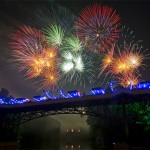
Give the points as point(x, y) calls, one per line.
point(62, 132)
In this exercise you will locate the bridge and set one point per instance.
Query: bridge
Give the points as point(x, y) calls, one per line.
point(15, 114)
point(12, 115)
point(123, 96)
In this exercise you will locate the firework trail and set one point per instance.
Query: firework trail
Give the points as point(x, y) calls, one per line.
point(50, 14)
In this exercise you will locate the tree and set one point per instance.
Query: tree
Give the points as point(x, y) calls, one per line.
point(110, 127)
point(4, 94)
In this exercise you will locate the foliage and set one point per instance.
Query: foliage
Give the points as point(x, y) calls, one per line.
point(109, 128)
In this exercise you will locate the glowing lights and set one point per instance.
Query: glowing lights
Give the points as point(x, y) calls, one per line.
point(2, 101)
point(58, 52)
point(98, 91)
point(74, 94)
point(134, 59)
point(67, 66)
point(72, 61)
point(129, 83)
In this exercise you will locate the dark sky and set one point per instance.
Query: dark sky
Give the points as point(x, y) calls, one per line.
point(134, 14)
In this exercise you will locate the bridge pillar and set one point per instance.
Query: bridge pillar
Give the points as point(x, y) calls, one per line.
point(125, 123)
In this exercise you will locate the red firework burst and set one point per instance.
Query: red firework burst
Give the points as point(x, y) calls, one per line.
point(98, 27)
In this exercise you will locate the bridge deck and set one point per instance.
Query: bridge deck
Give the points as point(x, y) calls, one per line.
point(121, 97)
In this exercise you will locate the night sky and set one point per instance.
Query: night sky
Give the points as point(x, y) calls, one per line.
point(134, 14)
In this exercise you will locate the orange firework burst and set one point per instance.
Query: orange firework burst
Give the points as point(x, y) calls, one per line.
point(28, 44)
point(106, 61)
point(50, 77)
point(33, 55)
point(134, 59)
point(120, 65)
point(127, 80)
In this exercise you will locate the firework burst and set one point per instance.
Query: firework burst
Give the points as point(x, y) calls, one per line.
point(98, 27)
point(28, 44)
point(33, 55)
point(55, 35)
point(107, 60)
point(47, 15)
point(76, 68)
point(50, 77)
point(73, 43)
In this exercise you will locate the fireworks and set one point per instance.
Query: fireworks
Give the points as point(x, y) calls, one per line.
point(134, 59)
point(50, 77)
point(119, 66)
point(73, 43)
point(32, 53)
point(47, 15)
point(72, 61)
point(76, 68)
point(107, 60)
point(98, 27)
point(128, 80)
point(54, 35)
point(57, 55)
point(28, 44)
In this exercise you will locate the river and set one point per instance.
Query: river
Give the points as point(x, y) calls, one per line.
point(59, 132)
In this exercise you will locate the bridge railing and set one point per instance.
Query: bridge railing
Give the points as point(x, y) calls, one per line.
point(75, 94)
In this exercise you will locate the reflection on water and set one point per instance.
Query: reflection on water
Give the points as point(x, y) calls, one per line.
point(74, 139)
point(52, 134)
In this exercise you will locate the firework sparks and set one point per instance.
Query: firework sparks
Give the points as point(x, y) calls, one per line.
point(128, 80)
point(50, 77)
point(28, 44)
point(98, 27)
point(55, 35)
point(33, 55)
point(49, 14)
point(73, 43)
point(72, 61)
point(134, 59)
point(107, 60)
point(76, 68)
point(119, 65)
point(37, 52)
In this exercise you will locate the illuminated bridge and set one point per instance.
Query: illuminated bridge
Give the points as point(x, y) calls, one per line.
point(123, 96)
point(12, 115)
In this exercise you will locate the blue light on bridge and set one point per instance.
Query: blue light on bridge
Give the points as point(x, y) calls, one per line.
point(1, 101)
point(73, 94)
point(62, 95)
point(39, 98)
point(98, 91)
point(143, 85)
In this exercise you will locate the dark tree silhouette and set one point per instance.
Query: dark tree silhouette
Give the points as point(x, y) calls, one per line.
point(4, 93)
